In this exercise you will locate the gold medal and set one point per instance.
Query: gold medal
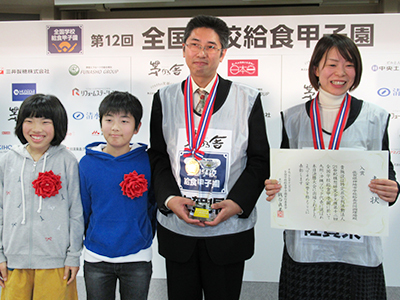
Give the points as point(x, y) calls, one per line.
point(192, 166)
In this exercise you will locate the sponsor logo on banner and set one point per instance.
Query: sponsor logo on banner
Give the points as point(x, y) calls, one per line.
point(395, 155)
point(75, 92)
point(4, 148)
point(157, 69)
point(262, 92)
point(243, 67)
point(91, 92)
point(25, 71)
point(90, 115)
point(6, 132)
point(390, 66)
point(64, 39)
point(394, 116)
point(21, 91)
point(305, 67)
point(75, 70)
point(75, 148)
point(13, 113)
point(78, 115)
point(383, 92)
point(155, 87)
point(389, 91)
point(96, 133)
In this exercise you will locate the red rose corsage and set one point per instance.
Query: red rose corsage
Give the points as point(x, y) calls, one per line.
point(134, 185)
point(47, 184)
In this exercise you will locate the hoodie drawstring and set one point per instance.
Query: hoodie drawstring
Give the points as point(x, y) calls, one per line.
point(23, 190)
point(41, 198)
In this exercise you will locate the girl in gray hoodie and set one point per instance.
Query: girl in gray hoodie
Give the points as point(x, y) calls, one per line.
point(41, 219)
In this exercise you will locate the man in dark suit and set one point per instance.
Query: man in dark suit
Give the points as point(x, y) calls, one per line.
point(208, 145)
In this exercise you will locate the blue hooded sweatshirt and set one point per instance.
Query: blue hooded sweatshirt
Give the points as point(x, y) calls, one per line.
point(115, 225)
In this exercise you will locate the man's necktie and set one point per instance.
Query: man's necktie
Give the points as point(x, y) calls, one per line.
point(202, 100)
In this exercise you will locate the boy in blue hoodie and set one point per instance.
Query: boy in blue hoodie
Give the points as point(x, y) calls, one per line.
point(115, 180)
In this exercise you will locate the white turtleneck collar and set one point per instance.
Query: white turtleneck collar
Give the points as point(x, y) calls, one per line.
point(329, 108)
point(329, 101)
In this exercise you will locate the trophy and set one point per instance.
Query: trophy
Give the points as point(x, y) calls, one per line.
point(205, 171)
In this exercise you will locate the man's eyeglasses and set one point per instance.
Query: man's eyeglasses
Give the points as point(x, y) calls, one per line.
point(195, 47)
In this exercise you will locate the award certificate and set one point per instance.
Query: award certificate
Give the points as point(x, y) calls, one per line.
point(327, 190)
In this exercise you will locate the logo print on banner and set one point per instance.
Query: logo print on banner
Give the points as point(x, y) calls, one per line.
point(383, 92)
point(90, 92)
point(5, 147)
point(66, 39)
point(74, 70)
point(75, 92)
point(248, 67)
point(21, 91)
point(78, 115)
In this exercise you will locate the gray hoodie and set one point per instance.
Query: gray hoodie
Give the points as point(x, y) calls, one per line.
point(39, 232)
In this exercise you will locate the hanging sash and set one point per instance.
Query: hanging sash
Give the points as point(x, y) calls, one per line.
point(338, 127)
point(196, 139)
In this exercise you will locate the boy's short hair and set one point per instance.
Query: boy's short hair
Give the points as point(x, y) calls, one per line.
point(43, 106)
point(211, 22)
point(346, 47)
point(121, 102)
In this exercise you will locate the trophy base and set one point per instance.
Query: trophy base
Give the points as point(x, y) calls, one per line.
point(202, 213)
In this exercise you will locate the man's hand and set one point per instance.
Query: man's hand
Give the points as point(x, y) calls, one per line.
point(228, 208)
point(178, 206)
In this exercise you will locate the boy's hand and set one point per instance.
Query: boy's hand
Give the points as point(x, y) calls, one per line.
point(70, 273)
point(3, 273)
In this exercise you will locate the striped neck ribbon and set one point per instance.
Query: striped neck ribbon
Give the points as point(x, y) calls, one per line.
point(196, 139)
point(338, 127)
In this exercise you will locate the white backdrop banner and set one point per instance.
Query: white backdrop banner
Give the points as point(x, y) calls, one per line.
point(81, 61)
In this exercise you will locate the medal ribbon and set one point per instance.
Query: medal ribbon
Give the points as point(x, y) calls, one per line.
point(338, 128)
point(195, 140)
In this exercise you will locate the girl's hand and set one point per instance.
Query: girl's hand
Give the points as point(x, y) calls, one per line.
point(386, 189)
point(70, 273)
point(272, 187)
point(3, 273)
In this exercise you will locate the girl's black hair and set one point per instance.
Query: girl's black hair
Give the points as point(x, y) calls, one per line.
point(43, 106)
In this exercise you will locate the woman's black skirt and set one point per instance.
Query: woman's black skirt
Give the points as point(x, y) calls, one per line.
point(330, 281)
